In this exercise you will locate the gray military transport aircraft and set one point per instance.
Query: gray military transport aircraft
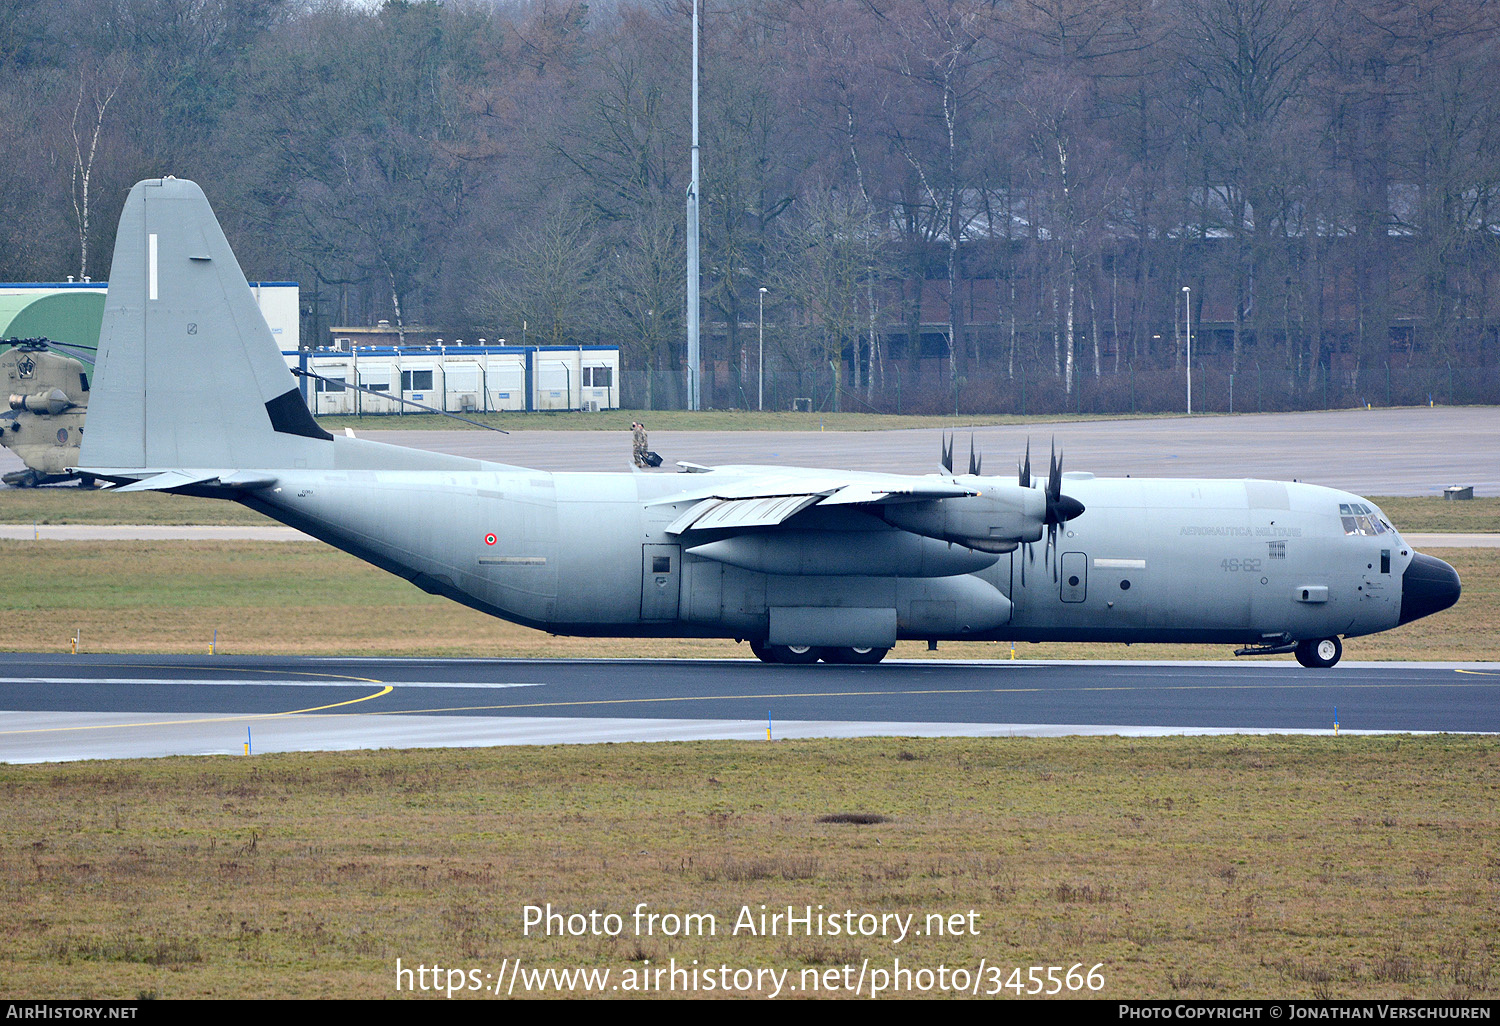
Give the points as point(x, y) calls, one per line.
point(191, 396)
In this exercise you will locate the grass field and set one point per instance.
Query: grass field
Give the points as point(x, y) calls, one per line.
point(1183, 867)
point(306, 598)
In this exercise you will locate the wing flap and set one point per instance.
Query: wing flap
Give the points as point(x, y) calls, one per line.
point(715, 514)
point(772, 495)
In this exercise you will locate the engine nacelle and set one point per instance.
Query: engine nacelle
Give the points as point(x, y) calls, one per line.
point(998, 519)
point(53, 401)
point(845, 554)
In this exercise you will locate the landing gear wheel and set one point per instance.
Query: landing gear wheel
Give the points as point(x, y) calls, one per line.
point(1319, 654)
point(855, 656)
point(798, 655)
point(795, 654)
point(27, 478)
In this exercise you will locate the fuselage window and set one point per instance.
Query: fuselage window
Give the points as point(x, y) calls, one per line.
point(1360, 519)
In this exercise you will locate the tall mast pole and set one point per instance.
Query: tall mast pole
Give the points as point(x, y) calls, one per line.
point(694, 356)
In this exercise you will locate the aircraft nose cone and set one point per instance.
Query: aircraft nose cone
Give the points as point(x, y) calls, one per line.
point(1427, 586)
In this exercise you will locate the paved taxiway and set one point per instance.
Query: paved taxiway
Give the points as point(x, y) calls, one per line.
point(79, 707)
point(1371, 452)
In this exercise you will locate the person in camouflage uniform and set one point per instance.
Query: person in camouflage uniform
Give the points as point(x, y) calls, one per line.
point(638, 436)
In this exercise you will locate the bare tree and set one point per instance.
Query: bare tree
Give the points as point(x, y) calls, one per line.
point(642, 279)
point(549, 279)
point(943, 60)
point(830, 253)
point(1252, 59)
point(100, 95)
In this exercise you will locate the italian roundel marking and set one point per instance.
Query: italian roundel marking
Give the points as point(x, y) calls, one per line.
point(489, 539)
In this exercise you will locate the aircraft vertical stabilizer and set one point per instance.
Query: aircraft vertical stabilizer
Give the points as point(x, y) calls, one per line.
point(209, 388)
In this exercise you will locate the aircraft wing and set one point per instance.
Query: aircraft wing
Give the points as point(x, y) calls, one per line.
point(747, 497)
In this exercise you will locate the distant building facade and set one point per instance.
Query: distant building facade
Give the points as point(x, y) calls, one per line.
point(456, 378)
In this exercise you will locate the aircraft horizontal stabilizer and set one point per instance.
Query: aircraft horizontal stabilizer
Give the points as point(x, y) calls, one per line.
point(174, 480)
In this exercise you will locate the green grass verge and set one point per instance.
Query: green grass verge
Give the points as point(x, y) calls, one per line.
point(1229, 867)
point(89, 506)
point(1434, 514)
point(306, 598)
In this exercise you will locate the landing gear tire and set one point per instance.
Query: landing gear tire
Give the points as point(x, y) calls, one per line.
point(854, 656)
point(27, 478)
point(1319, 654)
point(792, 654)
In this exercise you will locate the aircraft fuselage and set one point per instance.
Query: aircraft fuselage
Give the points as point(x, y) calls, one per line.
point(1225, 561)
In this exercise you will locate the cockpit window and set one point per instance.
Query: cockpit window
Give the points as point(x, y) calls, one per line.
point(1360, 519)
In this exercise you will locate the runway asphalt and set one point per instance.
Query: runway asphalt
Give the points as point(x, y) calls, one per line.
point(85, 707)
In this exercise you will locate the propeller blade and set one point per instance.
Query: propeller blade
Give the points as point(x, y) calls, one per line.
point(947, 453)
point(1060, 508)
point(1023, 477)
point(973, 459)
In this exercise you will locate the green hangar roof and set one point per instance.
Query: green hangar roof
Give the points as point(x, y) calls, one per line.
point(62, 315)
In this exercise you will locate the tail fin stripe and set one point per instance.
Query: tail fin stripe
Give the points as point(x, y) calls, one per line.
point(290, 415)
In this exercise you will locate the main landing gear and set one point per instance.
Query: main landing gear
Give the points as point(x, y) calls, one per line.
point(804, 654)
point(1319, 654)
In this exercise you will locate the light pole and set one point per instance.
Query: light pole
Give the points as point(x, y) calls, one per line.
point(1187, 302)
point(694, 356)
point(760, 389)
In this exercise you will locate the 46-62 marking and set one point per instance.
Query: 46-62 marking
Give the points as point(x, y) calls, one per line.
point(1231, 566)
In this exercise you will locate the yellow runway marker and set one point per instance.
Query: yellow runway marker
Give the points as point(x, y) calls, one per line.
point(236, 669)
point(388, 688)
point(866, 694)
point(208, 719)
